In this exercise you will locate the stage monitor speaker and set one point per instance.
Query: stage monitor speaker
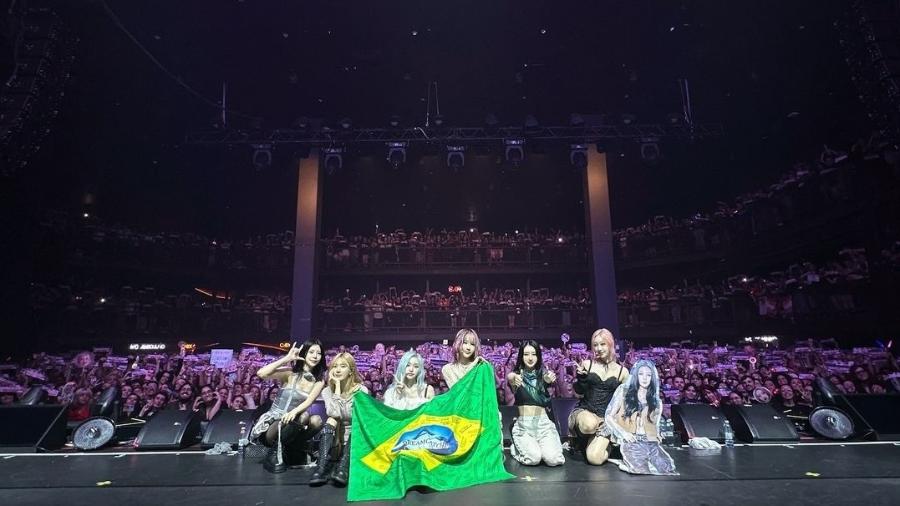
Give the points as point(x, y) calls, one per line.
point(880, 412)
point(698, 420)
point(561, 409)
point(760, 423)
point(508, 415)
point(169, 429)
point(226, 426)
point(30, 429)
point(34, 396)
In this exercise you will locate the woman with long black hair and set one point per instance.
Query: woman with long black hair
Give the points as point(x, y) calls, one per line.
point(534, 435)
point(633, 420)
point(301, 376)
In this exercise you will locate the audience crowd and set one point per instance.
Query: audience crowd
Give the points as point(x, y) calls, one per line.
point(756, 371)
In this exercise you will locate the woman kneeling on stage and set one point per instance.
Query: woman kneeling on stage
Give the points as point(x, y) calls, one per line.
point(633, 419)
point(287, 422)
point(344, 382)
point(597, 380)
point(534, 435)
point(409, 390)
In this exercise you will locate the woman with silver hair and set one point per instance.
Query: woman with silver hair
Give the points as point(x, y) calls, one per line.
point(409, 390)
point(534, 435)
point(633, 419)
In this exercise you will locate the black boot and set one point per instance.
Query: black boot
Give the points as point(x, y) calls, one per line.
point(320, 476)
point(293, 445)
point(270, 463)
point(342, 473)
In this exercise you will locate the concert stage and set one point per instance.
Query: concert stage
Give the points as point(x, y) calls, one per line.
point(809, 473)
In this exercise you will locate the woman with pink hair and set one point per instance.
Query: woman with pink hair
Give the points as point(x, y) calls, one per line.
point(597, 380)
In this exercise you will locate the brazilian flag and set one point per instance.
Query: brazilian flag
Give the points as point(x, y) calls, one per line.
point(452, 441)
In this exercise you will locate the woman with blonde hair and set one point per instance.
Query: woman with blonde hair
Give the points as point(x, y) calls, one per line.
point(344, 382)
point(597, 379)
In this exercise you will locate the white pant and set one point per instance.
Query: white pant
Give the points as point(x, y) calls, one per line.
point(534, 438)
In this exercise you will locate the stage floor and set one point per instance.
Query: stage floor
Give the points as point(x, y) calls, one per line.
point(819, 474)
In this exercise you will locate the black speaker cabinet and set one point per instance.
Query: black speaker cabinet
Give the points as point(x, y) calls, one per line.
point(698, 420)
point(561, 409)
point(31, 429)
point(508, 415)
point(757, 423)
point(170, 429)
point(880, 413)
point(226, 426)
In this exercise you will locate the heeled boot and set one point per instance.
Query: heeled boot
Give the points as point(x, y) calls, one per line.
point(326, 439)
point(342, 472)
point(270, 462)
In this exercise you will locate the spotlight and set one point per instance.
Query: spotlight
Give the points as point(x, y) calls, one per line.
point(531, 123)
point(438, 120)
point(346, 123)
point(629, 119)
point(649, 149)
point(302, 122)
point(334, 159)
point(262, 156)
point(396, 154)
point(514, 152)
point(674, 119)
point(456, 157)
point(578, 155)
point(394, 121)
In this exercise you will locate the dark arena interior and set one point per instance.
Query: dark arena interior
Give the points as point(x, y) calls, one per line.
point(271, 251)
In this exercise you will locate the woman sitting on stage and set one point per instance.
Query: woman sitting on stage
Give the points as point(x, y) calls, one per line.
point(633, 419)
point(409, 390)
point(466, 354)
point(344, 382)
point(597, 380)
point(534, 435)
point(288, 418)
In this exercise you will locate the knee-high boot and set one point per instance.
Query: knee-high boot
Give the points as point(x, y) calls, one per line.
point(342, 473)
point(320, 476)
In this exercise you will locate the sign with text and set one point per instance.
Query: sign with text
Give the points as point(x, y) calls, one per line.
point(146, 346)
point(221, 358)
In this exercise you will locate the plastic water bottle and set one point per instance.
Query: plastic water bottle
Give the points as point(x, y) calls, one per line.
point(669, 432)
point(729, 434)
point(242, 442)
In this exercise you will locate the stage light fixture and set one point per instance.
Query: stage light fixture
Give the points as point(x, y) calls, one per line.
point(394, 122)
point(262, 156)
point(334, 159)
point(578, 155)
point(456, 157)
point(531, 123)
point(576, 120)
point(514, 150)
point(346, 123)
point(397, 153)
point(629, 119)
point(438, 120)
point(650, 149)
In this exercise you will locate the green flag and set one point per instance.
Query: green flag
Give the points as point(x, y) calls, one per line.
point(452, 441)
